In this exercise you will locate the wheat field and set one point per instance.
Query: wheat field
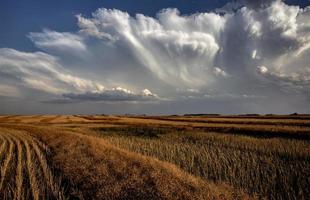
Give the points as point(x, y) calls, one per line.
point(168, 157)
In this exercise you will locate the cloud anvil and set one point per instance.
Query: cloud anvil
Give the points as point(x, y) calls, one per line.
point(241, 49)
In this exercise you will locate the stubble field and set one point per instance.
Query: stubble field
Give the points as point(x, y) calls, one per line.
point(168, 157)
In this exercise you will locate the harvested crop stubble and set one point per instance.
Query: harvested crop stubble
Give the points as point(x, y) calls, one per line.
point(115, 157)
point(113, 173)
point(24, 172)
point(257, 165)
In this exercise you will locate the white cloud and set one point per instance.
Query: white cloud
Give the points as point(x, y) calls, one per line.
point(262, 69)
point(55, 41)
point(175, 55)
point(148, 93)
point(89, 27)
point(259, 48)
point(219, 72)
point(182, 50)
point(42, 71)
point(42, 86)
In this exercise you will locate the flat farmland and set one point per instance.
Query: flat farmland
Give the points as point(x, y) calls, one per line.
point(154, 157)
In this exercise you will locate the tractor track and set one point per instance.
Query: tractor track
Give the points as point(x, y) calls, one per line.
point(24, 169)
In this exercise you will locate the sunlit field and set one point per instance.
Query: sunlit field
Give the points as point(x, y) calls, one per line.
point(168, 157)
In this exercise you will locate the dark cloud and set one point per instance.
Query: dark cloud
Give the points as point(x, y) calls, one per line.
point(113, 95)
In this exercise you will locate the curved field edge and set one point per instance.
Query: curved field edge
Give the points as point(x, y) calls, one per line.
point(99, 170)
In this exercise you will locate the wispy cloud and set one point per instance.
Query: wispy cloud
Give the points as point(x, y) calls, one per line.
point(43, 72)
point(58, 42)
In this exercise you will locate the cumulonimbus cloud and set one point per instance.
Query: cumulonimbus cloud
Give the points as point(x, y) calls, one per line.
point(190, 50)
point(264, 45)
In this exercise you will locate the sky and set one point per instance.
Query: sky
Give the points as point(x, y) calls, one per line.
point(154, 57)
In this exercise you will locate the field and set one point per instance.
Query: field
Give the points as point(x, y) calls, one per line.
point(167, 157)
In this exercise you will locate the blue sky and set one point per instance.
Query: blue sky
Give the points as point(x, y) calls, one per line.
point(21, 17)
point(154, 57)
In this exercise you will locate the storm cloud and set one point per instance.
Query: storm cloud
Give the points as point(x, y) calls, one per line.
point(256, 50)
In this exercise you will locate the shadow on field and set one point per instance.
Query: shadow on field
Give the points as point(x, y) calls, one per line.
point(155, 131)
